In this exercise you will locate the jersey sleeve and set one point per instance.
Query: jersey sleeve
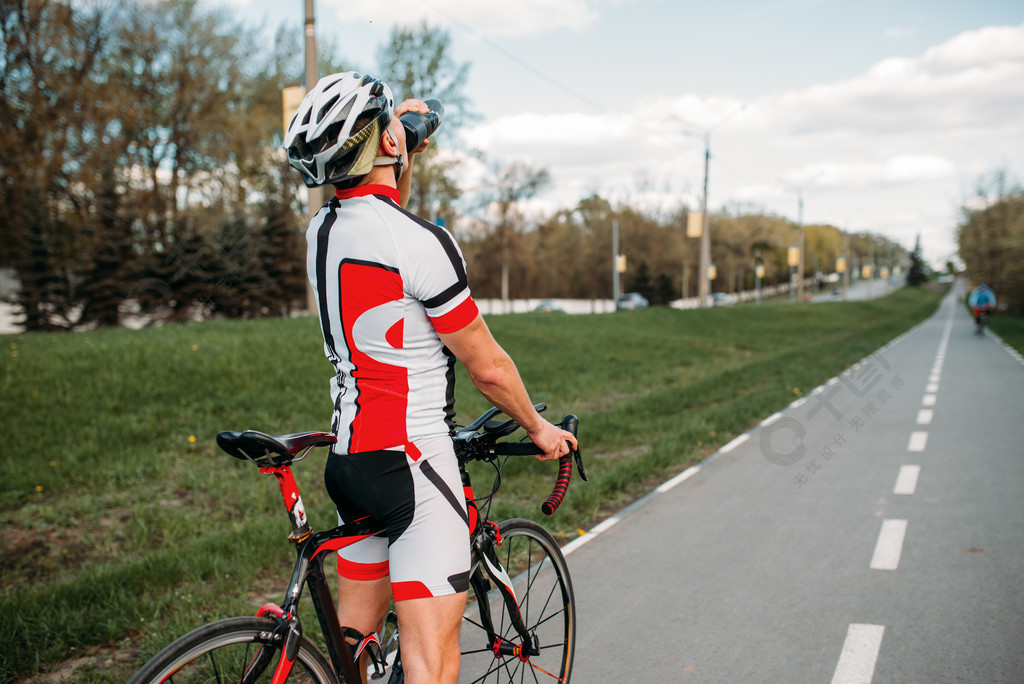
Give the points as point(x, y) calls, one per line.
point(436, 276)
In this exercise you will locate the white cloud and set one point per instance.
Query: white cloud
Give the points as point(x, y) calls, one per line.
point(859, 175)
point(971, 83)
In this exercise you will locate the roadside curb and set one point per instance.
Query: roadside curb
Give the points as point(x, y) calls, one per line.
point(1009, 350)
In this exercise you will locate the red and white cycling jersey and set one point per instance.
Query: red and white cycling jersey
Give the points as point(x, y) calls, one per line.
point(386, 283)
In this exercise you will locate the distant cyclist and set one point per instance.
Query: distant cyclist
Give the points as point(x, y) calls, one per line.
point(982, 301)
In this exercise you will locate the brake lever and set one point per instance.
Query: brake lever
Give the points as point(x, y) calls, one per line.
point(571, 424)
point(578, 457)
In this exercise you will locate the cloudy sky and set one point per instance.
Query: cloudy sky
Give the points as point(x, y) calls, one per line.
point(882, 115)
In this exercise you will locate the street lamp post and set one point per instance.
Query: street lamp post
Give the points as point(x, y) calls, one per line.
point(704, 277)
point(703, 274)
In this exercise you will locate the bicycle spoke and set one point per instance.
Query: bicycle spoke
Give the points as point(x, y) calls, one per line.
point(213, 664)
point(547, 603)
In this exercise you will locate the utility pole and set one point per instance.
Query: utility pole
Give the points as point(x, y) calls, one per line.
point(616, 287)
point(703, 282)
point(704, 276)
point(800, 249)
point(315, 195)
point(846, 273)
point(871, 265)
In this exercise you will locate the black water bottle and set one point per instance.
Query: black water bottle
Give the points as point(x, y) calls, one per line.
point(419, 126)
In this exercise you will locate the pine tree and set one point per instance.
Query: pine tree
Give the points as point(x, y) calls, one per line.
point(918, 273)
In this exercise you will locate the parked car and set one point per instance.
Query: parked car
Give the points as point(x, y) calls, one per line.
point(722, 299)
point(549, 305)
point(630, 301)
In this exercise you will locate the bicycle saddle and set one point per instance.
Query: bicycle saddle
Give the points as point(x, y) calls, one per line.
point(261, 448)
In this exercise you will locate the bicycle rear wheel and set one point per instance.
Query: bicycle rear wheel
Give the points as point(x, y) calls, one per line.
point(233, 650)
point(540, 577)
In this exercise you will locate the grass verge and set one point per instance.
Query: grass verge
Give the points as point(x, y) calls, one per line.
point(123, 526)
point(1011, 329)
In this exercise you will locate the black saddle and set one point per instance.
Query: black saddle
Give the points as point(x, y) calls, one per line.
point(271, 450)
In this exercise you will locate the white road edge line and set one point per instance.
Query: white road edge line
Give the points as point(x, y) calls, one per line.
point(906, 480)
point(859, 655)
point(1010, 350)
point(679, 479)
point(890, 545)
point(735, 443)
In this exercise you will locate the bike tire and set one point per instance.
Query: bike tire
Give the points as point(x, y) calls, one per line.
point(222, 651)
point(543, 588)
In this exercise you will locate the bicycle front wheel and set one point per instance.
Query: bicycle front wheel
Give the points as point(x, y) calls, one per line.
point(233, 650)
point(540, 578)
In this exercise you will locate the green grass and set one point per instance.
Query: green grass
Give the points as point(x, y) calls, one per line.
point(119, 533)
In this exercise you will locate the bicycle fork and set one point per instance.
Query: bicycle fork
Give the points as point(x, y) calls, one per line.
point(484, 544)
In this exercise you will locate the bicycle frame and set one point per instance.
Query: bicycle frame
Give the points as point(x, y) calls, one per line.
point(312, 549)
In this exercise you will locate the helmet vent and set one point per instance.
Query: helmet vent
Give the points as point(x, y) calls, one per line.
point(326, 108)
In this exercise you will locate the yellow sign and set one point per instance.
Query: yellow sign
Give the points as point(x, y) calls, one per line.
point(291, 98)
point(694, 224)
point(794, 256)
point(759, 270)
point(620, 263)
point(865, 272)
point(712, 272)
point(841, 265)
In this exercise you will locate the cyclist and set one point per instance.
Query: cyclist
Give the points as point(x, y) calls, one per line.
point(395, 312)
point(982, 301)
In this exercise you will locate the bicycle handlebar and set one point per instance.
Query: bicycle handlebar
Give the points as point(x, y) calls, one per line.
point(487, 447)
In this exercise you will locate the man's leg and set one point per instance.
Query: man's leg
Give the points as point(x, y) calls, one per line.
point(361, 606)
point(429, 638)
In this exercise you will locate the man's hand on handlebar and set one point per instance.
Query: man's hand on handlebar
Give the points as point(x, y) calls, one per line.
point(553, 440)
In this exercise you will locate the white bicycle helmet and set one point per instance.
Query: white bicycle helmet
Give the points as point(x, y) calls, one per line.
point(334, 135)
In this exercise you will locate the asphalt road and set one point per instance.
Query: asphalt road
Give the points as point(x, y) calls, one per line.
point(870, 532)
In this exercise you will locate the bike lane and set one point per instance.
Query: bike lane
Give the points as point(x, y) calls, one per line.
point(761, 565)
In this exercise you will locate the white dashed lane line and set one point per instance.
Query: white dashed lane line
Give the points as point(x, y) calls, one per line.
point(906, 481)
point(890, 545)
point(859, 655)
point(918, 441)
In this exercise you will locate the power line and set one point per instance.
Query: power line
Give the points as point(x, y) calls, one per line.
point(513, 58)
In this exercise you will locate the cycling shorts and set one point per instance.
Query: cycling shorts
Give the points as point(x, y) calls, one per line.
point(421, 501)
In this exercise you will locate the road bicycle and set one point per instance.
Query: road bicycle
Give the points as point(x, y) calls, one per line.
point(520, 621)
point(980, 320)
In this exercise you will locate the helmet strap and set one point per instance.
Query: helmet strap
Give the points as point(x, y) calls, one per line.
point(398, 161)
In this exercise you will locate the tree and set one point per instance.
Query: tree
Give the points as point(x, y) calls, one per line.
point(417, 62)
point(640, 282)
point(917, 274)
point(55, 102)
point(503, 232)
point(990, 238)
